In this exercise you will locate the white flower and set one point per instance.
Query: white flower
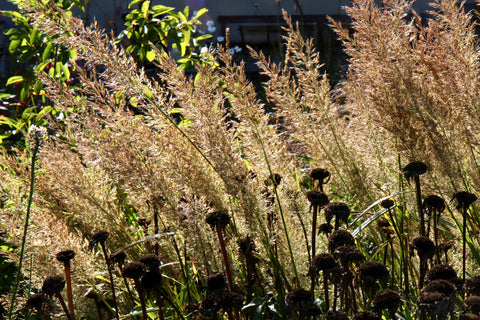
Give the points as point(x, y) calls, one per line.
point(37, 132)
point(210, 23)
point(204, 50)
point(220, 39)
point(231, 51)
point(237, 49)
point(179, 34)
point(211, 29)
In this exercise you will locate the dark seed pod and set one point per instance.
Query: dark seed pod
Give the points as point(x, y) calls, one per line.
point(319, 174)
point(98, 237)
point(472, 303)
point(464, 199)
point(371, 271)
point(317, 198)
point(151, 261)
point(339, 210)
point(348, 254)
point(276, 178)
point(469, 316)
point(387, 203)
point(65, 255)
point(336, 315)
point(325, 228)
point(443, 286)
point(208, 308)
point(118, 257)
point(434, 202)
point(53, 284)
point(216, 282)
point(366, 315)
point(340, 238)
point(36, 301)
point(298, 299)
point(133, 270)
point(218, 219)
point(441, 272)
point(151, 281)
point(383, 223)
point(414, 169)
point(231, 300)
point(386, 299)
point(424, 246)
point(323, 262)
point(472, 286)
point(144, 223)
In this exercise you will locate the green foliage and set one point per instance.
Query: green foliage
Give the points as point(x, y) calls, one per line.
point(151, 28)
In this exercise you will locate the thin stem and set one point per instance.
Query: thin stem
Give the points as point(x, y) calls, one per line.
point(464, 238)
point(225, 258)
point(25, 227)
point(141, 297)
point(68, 280)
point(112, 285)
point(419, 205)
point(64, 306)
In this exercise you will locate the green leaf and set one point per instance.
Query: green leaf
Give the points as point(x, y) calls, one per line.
point(145, 8)
point(14, 45)
point(159, 10)
point(14, 80)
point(46, 51)
point(150, 55)
point(203, 37)
point(134, 3)
point(200, 13)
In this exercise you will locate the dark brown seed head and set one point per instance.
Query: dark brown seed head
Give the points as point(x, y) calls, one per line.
point(424, 246)
point(66, 255)
point(118, 257)
point(208, 308)
point(151, 280)
point(325, 228)
point(317, 198)
point(435, 303)
point(323, 262)
point(144, 223)
point(472, 303)
point(472, 286)
point(434, 202)
point(464, 199)
point(219, 219)
point(298, 299)
point(151, 261)
point(386, 299)
point(216, 282)
point(443, 286)
point(383, 223)
point(321, 175)
point(339, 210)
point(387, 203)
point(275, 178)
point(366, 315)
point(348, 254)
point(98, 237)
point(336, 315)
point(340, 238)
point(371, 271)
point(247, 246)
point(441, 272)
point(231, 300)
point(53, 284)
point(444, 247)
point(36, 301)
point(414, 169)
point(469, 316)
point(133, 270)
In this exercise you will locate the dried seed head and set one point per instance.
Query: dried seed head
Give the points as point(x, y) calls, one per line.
point(118, 257)
point(340, 238)
point(339, 210)
point(151, 281)
point(348, 254)
point(53, 284)
point(472, 303)
point(443, 286)
point(336, 315)
point(366, 315)
point(35, 301)
point(98, 237)
point(414, 169)
point(387, 203)
point(323, 262)
point(317, 198)
point(216, 282)
point(472, 286)
point(321, 175)
point(441, 272)
point(469, 316)
point(144, 223)
point(66, 255)
point(231, 300)
point(275, 178)
point(325, 228)
point(219, 219)
point(208, 308)
point(383, 223)
point(445, 246)
point(247, 246)
point(298, 299)
point(464, 199)
point(436, 303)
point(371, 271)
point(434, 202)
point(424, 246)
point(133, 270)
point(151, 261)
point(386, 299)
